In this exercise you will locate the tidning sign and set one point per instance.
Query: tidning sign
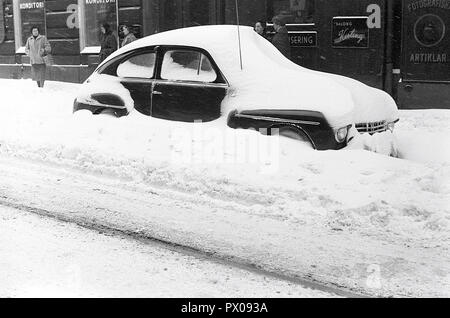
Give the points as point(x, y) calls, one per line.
point(426, 42)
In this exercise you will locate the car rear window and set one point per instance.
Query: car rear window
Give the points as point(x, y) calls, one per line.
point(138, 66)
point(185, 65)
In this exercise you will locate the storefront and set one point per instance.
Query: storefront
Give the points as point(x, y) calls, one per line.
point(357, 38)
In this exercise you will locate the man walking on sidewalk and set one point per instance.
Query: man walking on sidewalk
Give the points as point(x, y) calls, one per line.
point(281, 38)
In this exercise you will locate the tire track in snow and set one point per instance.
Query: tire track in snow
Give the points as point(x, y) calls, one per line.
point(303, 250)
point(176, 247)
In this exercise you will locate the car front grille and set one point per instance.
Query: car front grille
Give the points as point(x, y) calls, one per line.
point(372, 128)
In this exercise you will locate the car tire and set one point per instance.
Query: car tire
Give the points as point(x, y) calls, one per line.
point(296, 134)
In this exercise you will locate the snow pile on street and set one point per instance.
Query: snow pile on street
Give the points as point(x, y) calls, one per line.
point(401, 202)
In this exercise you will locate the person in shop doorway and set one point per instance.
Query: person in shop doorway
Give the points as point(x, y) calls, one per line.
point(108, 42)
point(37, 49)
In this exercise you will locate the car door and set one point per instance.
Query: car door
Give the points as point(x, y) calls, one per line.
point(189, 86)
point(137, 73)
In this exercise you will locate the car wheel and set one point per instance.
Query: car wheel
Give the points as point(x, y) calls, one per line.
point(296, 134)
point(108, 112)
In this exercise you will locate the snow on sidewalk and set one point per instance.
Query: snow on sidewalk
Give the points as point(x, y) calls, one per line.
point(349, 192)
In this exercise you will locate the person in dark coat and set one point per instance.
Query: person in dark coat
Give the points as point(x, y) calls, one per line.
point(281, 37)
point(108, 42)
point(37, 48)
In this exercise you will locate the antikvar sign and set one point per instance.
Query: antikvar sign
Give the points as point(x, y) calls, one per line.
point(350, 32)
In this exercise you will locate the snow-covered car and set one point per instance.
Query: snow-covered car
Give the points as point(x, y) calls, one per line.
point(211, 72)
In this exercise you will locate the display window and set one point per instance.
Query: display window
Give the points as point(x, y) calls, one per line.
point(93, 14)
point(6, 22)
point(293, 11)
point(27, 14)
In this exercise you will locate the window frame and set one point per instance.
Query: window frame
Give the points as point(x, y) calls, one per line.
point(162, 50)
point(127, 57)
point(17, 15)
point(110, 67)
point(84, 48)
point(270, 12)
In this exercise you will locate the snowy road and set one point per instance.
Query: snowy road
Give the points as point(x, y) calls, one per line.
point(351, 219)
point(41, 257)
point(98, 202)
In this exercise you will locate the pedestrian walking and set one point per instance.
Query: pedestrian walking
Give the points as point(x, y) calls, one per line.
point(281, 37)
point(38, 49)
point(108, 42)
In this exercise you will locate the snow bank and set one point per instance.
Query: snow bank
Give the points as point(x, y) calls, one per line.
point(211, 158)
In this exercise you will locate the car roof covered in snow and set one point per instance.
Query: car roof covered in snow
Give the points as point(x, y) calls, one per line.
point(270, 80)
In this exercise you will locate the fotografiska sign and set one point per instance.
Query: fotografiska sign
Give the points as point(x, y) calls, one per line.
point(426, 40)
point(429, 30)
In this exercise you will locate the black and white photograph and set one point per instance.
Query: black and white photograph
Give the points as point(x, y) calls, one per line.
point(224, 149)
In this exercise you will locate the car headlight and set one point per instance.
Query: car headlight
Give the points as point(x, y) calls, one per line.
point(341, 134)
point(391, 126)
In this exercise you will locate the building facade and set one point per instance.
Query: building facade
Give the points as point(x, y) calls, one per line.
point(400, 46)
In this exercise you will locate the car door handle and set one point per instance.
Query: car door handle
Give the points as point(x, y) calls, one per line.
point(157, 93)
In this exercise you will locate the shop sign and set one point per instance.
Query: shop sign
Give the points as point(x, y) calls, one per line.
point(32, 13)
point(350, 32)
point(32, 5)
point(72, 20)
point(303, 38)
point(426, 40)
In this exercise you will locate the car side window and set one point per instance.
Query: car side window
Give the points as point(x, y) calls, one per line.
point(185, 65)
point(138, 66)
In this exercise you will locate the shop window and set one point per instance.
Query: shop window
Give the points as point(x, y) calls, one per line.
point(130, 14)
point(27, 13)
point(183, 65)
point(93, 14)
point(6, 22)
point(169, 14)
point(293, 11)
point(196, 12)
point(138, 66)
